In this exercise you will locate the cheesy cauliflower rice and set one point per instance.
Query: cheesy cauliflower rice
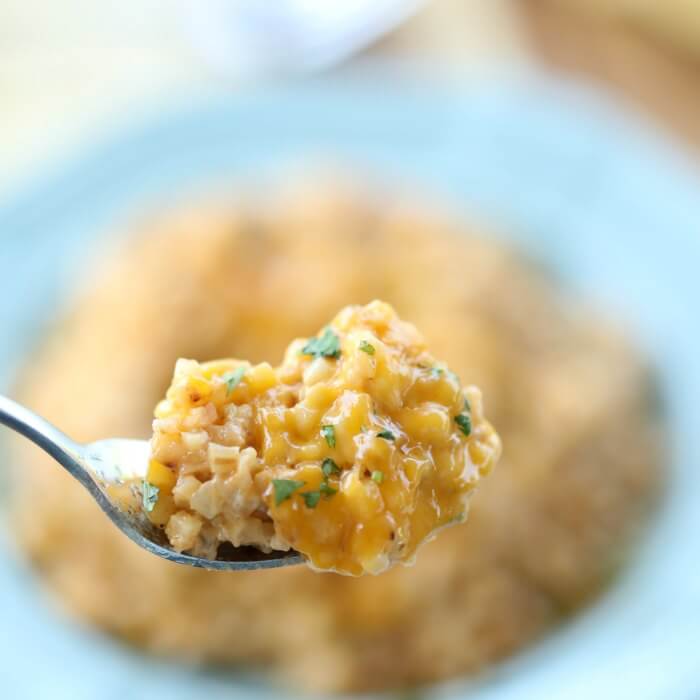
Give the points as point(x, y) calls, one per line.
point(580, 469)
point(354, 451)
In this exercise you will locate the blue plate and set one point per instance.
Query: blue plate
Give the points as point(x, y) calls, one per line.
point(557, 169)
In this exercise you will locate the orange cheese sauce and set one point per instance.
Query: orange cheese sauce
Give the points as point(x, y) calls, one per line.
point(355, 450)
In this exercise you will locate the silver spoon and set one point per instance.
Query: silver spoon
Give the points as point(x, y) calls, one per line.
point(103, 467)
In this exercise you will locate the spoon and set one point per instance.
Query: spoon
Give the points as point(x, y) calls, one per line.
point(113, 471)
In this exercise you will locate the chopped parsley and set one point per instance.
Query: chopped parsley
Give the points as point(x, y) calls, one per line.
point(311, 498)
point(150, 494)
point(378, 476)
point(387, 435)
point(366, 347)
point(465, 423)
point(328, 432)
point(327, 490)
point(437, 371)
point(329, 467)
point(284, 488)
point(233, 379)
point(467, 406)
point(328, 345)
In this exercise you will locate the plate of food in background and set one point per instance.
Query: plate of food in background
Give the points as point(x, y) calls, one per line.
point(545, 245)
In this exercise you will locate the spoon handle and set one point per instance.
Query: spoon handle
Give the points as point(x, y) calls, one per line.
point(41, 433)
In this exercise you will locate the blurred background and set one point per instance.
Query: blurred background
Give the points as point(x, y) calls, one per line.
point(72, 69)
point(573, 125)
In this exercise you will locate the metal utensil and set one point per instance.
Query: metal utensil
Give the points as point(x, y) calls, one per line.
point(113, 471)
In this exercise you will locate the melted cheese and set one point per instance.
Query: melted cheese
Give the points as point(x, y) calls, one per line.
point(372, 405)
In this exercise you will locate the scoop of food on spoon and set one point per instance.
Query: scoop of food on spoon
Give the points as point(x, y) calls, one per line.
point(113, 471)
point(349, 455)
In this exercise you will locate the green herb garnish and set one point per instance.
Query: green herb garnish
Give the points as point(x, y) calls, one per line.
point(366, 347)
point(150, 495)
point(386, 434)
point(378, 476)
point(328, 432)
point(233, 379)
point(465, 423)
point(284, 488)
point(327, 490)
point(467, 406)
point(328, 345)
point(311, 498)
point(329, 467)
point(437, 371)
